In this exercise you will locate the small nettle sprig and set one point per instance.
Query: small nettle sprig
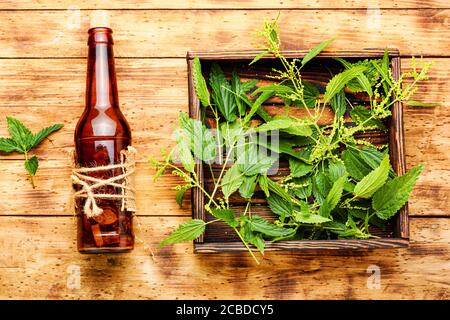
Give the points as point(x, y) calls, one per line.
point(338, 185)
point(22, 140)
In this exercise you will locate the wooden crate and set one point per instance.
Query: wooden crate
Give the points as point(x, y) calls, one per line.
point(220, 238)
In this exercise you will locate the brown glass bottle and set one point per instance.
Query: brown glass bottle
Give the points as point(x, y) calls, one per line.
point(101, 133)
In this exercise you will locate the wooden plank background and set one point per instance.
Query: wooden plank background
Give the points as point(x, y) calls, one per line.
point(42, 81)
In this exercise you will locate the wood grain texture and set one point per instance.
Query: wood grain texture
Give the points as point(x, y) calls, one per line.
point(162, 33)
point(38, 252)
point(220, 4)
point(39, 256)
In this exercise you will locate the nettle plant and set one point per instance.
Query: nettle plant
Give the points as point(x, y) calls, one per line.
point(337, 187)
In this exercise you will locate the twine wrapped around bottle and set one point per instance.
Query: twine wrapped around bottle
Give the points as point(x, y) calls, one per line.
point(90, 185)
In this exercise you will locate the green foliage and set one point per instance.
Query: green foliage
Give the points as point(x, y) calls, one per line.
point(222, 93)
point(338, 82)
point(395, 193)
point(187, 231)
point(200, 83)
point(373, 181)
point(22, 140)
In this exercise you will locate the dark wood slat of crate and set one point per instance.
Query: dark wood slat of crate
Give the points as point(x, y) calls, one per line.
point(197, 197)
point(388, 243)
point(397, 149)
point(250, 54)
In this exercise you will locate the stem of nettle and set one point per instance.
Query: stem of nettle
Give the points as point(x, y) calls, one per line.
point(246, 245)
point(216, 186)
point(29, 175)
point(195, 181)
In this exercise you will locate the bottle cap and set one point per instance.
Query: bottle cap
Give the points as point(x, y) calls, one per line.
point(100, 18)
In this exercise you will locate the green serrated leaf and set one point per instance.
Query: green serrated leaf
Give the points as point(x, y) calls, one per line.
point(200, 86)
point(263, 184)
point(362, 80)
point(255, 107)
point(226, 215)
point(44, 133)
point(395, 193)
point(222, 93)
point(21, 135)
point(286, 124)
point(373, 181)
point(309, 218)
point(316, 50)
point(299, 168)
point(183, 149)
point(338, 82)
point(8, 145)
point(187, 231)
point(336, 170)
point(181, 192)
point(231, 181)
point(333, 197)
point(248, 186)
point(277, 189)
point(361, 115)
point(254, 161)
point(338, 104)
point(279, 206)
point(259, 56)
point(32, 165)
point(253, 238)
point(260, 224)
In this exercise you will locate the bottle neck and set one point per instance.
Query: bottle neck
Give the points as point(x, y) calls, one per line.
point(101, 91)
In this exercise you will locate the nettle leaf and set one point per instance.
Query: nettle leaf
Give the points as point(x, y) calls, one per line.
point(32, 165)
point(333, 197)
point(240, 89)
point(279, 206)
point(356, 166)
point(361, 115)
point(299, 168)
point(336, 170)
point(44, 133)
point(200, 86)
point(373, 181)
point(231, 181)
point(200, 139)
point(248, 186)
point(8, 145)
point(21, 135)
point(338, 82)
point(363, 83)
point(226, 215)
point(306, 189)
point(187, 231)
point(183, 149)
point(254, 161)
point(264, 185)
point(338, 104)
point(260, 224)
point(309, 218)
point(321, 187)
point(277, 189)
point(316, 50)
point(255, 107)
point(395, 193)
point(286, 124)
point(222, 93)
point(259, 56)
point(181, 192)
point(253, 238)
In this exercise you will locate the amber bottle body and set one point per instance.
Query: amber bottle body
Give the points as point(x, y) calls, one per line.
point(101, 134)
